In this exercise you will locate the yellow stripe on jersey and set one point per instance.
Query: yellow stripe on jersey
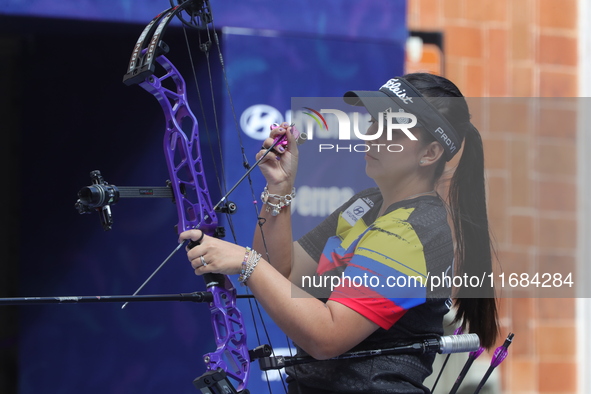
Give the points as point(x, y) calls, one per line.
point(347, 233)
point(398, 243)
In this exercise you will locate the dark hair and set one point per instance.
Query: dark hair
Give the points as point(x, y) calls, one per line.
point(476, 308)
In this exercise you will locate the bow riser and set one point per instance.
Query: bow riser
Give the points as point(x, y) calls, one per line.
point(188, 183)
point(195, 211)
point(183, 155)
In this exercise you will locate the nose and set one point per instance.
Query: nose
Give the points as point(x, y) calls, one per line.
point(378, 140)
point(372, 130)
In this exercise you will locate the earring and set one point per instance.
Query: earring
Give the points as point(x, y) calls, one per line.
point(422, 162)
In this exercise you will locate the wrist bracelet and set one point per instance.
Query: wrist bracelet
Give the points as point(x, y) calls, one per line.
point(282, 201)
point(245, 262)
point(251, 259)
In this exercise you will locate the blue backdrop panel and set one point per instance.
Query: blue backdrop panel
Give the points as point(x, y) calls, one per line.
point(381, 19)
point(265, 72)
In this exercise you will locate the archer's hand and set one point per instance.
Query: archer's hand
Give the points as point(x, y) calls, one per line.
point(279, 167)
point(219, 256)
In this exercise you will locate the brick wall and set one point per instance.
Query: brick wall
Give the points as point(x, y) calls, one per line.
point(523, 48)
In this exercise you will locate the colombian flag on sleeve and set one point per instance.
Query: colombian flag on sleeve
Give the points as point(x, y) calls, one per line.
point(382, 272)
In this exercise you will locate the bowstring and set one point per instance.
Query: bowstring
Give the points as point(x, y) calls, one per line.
point(222, 185)
point(217, 171)
point(261, 221)
point(246, 165)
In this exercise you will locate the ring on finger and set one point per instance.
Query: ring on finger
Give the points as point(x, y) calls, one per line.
point(203, 263)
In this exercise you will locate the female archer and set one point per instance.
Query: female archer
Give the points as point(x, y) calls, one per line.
point(401, 234)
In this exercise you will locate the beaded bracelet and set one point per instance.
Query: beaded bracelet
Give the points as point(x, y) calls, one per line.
point(245, 261)
point(282, 201)
point(251, 259)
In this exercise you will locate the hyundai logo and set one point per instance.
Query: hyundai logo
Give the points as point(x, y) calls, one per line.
point(256, 119)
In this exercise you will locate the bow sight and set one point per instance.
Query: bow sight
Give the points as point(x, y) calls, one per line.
point(101, 195)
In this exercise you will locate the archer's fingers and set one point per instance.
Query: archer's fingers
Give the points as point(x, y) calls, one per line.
point(200, 264)
point(289, 136)
point(195, 237)
point(267, 155)
point(272, 154)
point(278, 131)
point(292, 141)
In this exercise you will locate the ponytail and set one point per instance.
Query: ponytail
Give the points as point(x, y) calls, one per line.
point(476, 307)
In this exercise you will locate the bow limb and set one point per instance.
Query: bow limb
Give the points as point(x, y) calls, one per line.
point(195, 210)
